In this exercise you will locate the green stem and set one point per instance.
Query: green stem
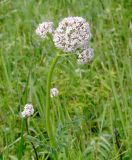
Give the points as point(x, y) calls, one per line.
point(48, 123)
point(33, 146)
point(21, 147)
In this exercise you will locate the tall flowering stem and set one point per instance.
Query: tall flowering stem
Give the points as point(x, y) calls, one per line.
point(27, 112)
point(48, 122)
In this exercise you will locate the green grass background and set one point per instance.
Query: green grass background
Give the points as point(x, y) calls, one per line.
point(92, 117)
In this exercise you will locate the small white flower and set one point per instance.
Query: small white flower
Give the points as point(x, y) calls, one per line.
point(44, 28)
point(85, 56)
point(28, 111)
point(54, 92)
point(72, 33)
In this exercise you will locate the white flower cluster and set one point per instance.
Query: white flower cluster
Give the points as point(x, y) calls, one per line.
point(72, 33)
point(85, 56)
point(28, 111)
point(44, 28)
point(54, 92)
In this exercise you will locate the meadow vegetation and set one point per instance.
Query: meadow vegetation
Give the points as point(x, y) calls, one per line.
point(92, 115)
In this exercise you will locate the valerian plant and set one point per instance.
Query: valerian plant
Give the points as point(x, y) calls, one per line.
point(71, 36)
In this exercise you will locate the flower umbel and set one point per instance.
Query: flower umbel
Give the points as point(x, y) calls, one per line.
point(28, 110)
point(72, 33)
point(54, 92)
point(85, 56)
point(44, 28)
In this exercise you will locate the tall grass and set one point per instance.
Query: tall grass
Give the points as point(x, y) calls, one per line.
point(91, 117)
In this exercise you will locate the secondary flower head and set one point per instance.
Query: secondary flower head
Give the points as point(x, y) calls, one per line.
point(54, 92)
point(28, 110)
point(72, 33)
point(85, 56)
point(44, 28)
